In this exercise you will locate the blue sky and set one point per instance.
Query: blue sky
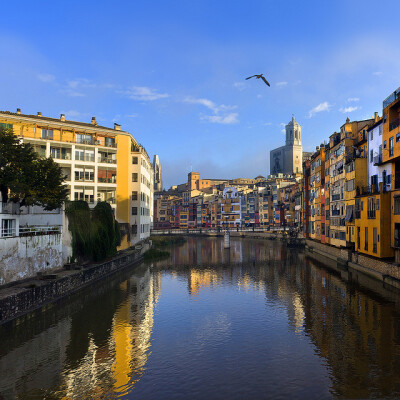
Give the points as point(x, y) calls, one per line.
point(172, 72)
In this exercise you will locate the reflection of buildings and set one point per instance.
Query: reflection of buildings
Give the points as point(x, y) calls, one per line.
point(100, 349)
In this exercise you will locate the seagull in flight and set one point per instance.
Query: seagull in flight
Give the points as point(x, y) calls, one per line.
point(258, 77)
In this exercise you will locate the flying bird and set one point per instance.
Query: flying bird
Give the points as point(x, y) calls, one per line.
point(258, 77)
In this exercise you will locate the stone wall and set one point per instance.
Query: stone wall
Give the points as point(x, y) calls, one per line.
point(384, 268)
point(23, 257)
point(28, 295)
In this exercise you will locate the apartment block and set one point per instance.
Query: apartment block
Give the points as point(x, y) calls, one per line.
point(100, 164)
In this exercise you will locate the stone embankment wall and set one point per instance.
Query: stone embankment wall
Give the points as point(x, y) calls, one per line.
point(378, 269)
point(29, 295)
point(23, 257)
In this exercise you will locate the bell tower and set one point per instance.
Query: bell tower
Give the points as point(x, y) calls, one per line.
point(293, 133)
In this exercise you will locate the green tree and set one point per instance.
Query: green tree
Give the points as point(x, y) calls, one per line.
point(26, 178)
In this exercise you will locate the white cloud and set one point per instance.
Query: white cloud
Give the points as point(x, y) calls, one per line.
point(283, 83)
point(74, 114)
point(353, 99)
point(134, 115)
point(239, 85)
point(283, 129)
point(231, 118)
point(46, 77)
point(221, 112)
point(325, 106)
point(204, 102)
point(348, 109)
point(377, 73)
point(144, 93)
point(267, 123)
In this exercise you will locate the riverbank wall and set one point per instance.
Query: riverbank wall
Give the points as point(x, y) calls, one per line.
point(347, 260)
point(28, 295)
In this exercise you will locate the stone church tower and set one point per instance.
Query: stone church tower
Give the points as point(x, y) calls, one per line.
point(288, 159)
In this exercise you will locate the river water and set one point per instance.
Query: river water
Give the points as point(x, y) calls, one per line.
point(257, 321)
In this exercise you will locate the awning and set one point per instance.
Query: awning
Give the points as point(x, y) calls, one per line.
point(349, 213)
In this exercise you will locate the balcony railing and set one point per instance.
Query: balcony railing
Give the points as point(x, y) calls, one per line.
point(107, 160)
point(335, 213)
point(335, 197)
point(394, 124)
point(107, 180)
point(391, 98)
point(86, 157)
point(39, 230)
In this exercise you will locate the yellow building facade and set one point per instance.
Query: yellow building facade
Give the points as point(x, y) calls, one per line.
point(99, 164)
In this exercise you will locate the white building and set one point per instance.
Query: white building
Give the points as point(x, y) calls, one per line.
point(377, 172)
point(142, 196)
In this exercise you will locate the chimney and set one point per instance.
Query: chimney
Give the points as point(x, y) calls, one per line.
point(93, 121)
point(62, 117)
point(117, 127)
point(39, 114)
point(18, 111)
point(376, 116)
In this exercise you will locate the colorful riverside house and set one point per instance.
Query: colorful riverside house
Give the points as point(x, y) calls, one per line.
point(391, 154)
point(231, 208)
point(306, 198)
point(341, 144)
point(356, 176)
point(100, 164)
point(317, 183)
point(325, 218)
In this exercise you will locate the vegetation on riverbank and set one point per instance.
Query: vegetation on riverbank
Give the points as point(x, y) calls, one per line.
point(95, 233)
point(160, 241)
point(155, 254)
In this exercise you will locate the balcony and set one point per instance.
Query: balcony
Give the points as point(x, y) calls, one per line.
point(335, 197)
point(391, 98)
point(107, 180)
point(394, 124)
point(335, 212)
point(84, 157)
point(366, 190)
point(106, 160)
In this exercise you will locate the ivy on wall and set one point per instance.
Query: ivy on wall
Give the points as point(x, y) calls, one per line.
point(95, 233)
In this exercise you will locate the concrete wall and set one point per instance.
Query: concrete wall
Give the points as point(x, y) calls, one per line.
point(23, 257)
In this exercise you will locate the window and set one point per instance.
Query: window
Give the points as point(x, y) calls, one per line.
point(47, 133)
point(8, 228)
point(134, 177)
point(134, 160)
point(134, 210)
point(134, 195)
point(6, 126)
point(85, 139)
point(366, 240)
point(391, 147)
point(109, 142)
point(380, 130)
point(397, 137)
point(372, 135)
point(384, 144)
point(371, 155)
point(134, 229)
point(397, 205)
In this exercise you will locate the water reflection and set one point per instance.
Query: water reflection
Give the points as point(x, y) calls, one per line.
point(257, 318)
